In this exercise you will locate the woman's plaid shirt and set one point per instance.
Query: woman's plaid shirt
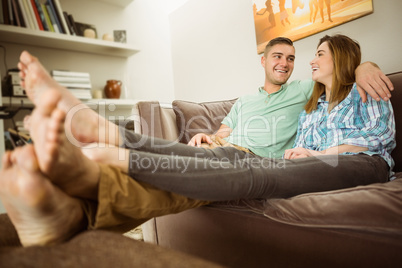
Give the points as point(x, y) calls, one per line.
point(370, 124)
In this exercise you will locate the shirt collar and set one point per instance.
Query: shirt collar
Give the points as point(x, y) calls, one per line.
point(322, 98)
point(283, 87)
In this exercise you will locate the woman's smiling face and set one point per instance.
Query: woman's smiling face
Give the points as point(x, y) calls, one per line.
point(322, 65)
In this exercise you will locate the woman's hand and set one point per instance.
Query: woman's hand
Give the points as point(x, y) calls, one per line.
point(299, 152)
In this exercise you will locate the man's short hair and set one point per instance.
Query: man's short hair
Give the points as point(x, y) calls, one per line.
point(277, 41)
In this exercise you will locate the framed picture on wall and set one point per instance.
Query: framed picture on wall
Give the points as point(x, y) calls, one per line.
point(297, 19)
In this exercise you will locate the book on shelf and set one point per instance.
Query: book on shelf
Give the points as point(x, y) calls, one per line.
point(75, 85)
point(24, 14)
point(72, 79)
point(7, 12)
point(30, 16)
point(10, 12)
point(69, 25)
point(19, 19)
point(5, 15)
point(82, 94)
point(47, 18)
point(41, 15)
point(36, 15)
point(53, 13)
point(69, 73)
point(72, 22)
point(78, 83)
point(52, 19)
point(60, 16)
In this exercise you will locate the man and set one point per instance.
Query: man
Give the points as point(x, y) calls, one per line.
point(265, 123)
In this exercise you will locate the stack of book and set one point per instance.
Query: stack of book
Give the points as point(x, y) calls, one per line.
point(78, 83)
point(44, 15)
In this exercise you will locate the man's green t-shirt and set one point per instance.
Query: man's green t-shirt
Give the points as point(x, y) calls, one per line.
point(266, 123)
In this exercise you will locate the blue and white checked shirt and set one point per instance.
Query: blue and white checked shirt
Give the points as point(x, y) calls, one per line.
point(352, 122)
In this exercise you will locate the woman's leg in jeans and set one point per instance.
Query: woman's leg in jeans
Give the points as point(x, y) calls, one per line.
point(254, 177)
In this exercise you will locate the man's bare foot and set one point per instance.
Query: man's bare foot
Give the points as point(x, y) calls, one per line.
point(36, 80)
point(41, 213)
point(62, 162)
point(83, 123)
point(106, 154)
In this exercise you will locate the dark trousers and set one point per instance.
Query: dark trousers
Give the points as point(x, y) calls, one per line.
point(226, 173)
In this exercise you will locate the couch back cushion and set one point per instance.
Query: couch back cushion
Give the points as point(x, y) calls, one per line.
point(396, 101)
point(151, 118)
point(193, 118)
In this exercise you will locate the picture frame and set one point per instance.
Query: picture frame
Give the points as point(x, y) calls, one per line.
point(120, 36)
point(297, 19)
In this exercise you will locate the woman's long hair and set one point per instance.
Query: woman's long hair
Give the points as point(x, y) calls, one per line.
point(346, 57)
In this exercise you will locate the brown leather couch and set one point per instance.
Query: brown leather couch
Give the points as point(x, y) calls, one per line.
point(357, 227)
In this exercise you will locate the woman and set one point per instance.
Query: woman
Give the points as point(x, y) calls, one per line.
point(338, 135)
point(334, 100)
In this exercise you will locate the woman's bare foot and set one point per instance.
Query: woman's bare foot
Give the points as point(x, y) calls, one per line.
point(61, 161)
point(83, 123)
point(41, 213)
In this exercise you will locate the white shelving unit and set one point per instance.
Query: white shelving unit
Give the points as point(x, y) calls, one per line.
point(28, 37)
point(24, 36)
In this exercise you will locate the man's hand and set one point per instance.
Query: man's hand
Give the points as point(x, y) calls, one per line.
point(370, 79)
point(199, 138)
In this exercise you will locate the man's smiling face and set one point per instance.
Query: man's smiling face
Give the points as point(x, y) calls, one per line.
point(278, 64)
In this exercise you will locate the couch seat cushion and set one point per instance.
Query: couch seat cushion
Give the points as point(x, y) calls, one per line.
point(372, 208)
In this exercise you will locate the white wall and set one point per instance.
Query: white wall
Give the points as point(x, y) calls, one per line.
point(214, 51)
point(148, 74)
